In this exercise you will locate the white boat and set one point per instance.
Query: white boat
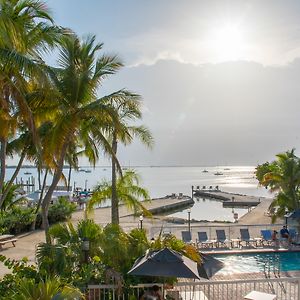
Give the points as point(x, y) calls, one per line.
point(218, 173)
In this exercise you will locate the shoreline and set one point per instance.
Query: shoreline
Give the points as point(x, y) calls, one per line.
point(26, 244)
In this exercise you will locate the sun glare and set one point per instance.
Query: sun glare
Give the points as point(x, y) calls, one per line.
point(227, 43)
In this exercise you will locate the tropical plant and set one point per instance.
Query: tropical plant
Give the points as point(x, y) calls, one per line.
point(48, 289)
point(81, 118)
point(12, 197)
point(128, 111)
point(282, 176)
point(26, 31)
point(170, 241)
point(128, 190)
point(19, 270)
point(16, 220)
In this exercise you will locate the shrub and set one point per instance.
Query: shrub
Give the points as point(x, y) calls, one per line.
point(16, 220)
point(59, 212)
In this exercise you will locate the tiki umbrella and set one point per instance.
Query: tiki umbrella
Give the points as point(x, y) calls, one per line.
point(165, 263)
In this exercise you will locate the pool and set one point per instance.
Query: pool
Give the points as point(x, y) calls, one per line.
point(258, 262)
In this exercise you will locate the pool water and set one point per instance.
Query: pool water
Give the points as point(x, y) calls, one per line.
point(258, 262)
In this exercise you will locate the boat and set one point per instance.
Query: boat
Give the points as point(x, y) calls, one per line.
point(88, 171)
point(204, 171)
point(226, 169)
point(218, 173)
point(81, 170)
point(27, 173)
point(104, 169)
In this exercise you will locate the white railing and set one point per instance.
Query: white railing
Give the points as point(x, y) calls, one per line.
point(232, 231)
point(283, 288)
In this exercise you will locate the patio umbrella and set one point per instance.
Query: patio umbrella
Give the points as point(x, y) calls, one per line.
point(167, 263)
point(210, 266)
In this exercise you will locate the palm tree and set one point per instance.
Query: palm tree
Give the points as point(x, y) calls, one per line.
point(128, 191)
point(80, 117)
point(26, 31)
point(11, 198)
point(48, 289)
point(283, 177)
point(65, 258)
point(127, 110)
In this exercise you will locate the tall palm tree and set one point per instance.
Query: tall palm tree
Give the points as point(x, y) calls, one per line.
point(26, 31)
point(283, 177)
point(128, 111)
point(129, 192)
point(81, 116)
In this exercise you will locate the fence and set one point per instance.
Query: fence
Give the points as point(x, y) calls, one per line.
point(232, 231)
point(283, 288)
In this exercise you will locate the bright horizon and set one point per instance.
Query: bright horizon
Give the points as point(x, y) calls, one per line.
point(219, 79)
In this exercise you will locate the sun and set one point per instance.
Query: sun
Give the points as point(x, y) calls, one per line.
point(227, 43)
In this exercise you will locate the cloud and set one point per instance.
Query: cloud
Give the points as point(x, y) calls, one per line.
point(230, 113)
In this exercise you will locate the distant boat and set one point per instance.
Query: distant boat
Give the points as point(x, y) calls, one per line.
point(88, 171)
point(204, 171)
point(27, 173)
point(81, 170)
point(226, 169)
point(218, 173)
point(104, 169)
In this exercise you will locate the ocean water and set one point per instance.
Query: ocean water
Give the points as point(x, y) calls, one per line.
point(162, 181)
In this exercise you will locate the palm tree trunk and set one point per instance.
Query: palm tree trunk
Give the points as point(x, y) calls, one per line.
point(40, 200)
point(69, 177)
point(114, 194)
point(12, 179)
point(48, 196)
point(2, 168)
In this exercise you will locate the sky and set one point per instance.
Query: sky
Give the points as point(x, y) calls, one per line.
point(219, 79)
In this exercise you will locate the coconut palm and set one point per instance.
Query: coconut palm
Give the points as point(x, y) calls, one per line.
point(80, 116)
point(26, 31)
point(129, 193)
point(283, 177)
point(128, 111)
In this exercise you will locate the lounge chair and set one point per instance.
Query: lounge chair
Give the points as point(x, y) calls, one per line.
point(221, 238)
point(245, 237)
point(267, 236)
point(186, 237)
point(203, 240)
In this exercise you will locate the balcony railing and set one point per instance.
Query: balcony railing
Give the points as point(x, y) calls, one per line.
point(283, 288)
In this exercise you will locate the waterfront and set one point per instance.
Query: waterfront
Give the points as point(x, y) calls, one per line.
point(161, 181)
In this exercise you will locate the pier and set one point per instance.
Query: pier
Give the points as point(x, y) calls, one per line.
point(228, 199)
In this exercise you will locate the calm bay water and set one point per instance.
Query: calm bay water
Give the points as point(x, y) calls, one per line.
point(162, 181)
